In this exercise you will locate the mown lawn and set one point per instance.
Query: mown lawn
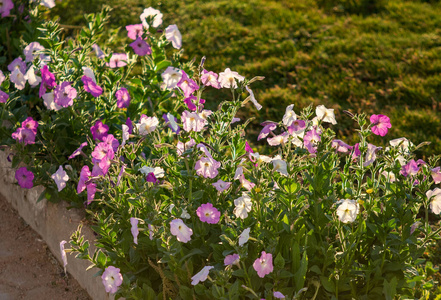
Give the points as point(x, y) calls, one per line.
point(381, 57)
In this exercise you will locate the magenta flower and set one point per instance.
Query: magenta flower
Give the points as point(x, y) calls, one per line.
point(135, 231)
point(232, 259)
point(110, 139)
point(221, 185)
point(209, 78)
point(187, 85)
point(151, 178)
point(141, 47)
point(91, 87)
point(172, 122)
point(129, 124)
point(99, 130)
point(31, 124)
point(3, 97)
point(64, 94)
point(248, 148)
point(381, 124)
point(84, 177)
point(207, 213)
point(264, 264)
point(268, 127)
point(411, 168)
point(311, 140)
point(6, 7)
point(78, 151)
point(117, 60)
point(47, 81)
point(112, 279)
point(180, 230)
point(103, 151)
point(24, 135)
point(356, 151)
point(25, 178)
point(91, 190)
point(134, 31)
point(189, 101)
point(123, 98)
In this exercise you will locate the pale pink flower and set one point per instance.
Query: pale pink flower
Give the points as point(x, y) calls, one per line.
point(30, 49)
point(264, 264)
point(201, 276)
point(410, 169)
point(289, 116)
point(227, 79)
point(280, 165)
point(436, 175)
point(49, 102)
point(268, 127)
point(278, 295)
point(209, 78)
point(117, 60)
point(232, 259)
point(30, 76)
point(171, 76)
point(278, 139)
point(192, 121)
point(18, 78)
point(181, 147)
point(341, 146)
point(112, 279)
point(208, 213)
point(151, 12)
point(173, 35)
point(60, 177)
point(180, 230)
point(207, 166)
point(147, 125)
point(134, 230)
point(371, 154)
point(221, 185)
point(134, 31)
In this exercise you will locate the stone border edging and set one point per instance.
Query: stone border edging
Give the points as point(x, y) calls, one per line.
point(54, 223)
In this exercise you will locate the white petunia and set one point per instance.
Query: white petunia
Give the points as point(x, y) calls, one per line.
point(30, 76)
point(201, 276)
point(435, 200)
point(157, 171)
point(243, 206)
point(348, 210)
point(173, 35)
point(244, 237)
point(325, 114)
point(289, 116)
point(171, 77)
point(280, 165)
point(150, 12)
point(147, 125)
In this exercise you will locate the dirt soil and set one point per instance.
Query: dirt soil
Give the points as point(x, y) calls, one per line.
point(28, 270)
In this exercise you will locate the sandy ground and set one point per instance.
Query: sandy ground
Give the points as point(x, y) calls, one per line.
point(28, 270)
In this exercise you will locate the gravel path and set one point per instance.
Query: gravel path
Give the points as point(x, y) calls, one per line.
point(28, 270)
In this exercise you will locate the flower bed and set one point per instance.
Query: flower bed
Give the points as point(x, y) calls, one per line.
point(183, 206)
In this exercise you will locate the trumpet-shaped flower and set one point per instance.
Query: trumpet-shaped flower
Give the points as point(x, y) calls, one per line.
point(341, 146)
point(348, 210)
point(243, 206)
point(140, 47)
point(99, 53)
point(91, 87)
point(64, 94)
point(6, 7)
point(30, 49)
point(244, 237)
point(189, 101)
point(91, 190)
point(390, 176)
point(278, 139)
point(3, 97)
point(123, 98)
point(18, 78)
point(180, 230)
point(187, 85)
point(380, 124)
point(31, 124)
point(436, 175)
point(181, 147)
point(278, 295)
point(201, 276)
point(99, 130)
point(117, 60)
point(207, 166)
point(60, 177)
point(171, 76)
point(208, 213)
point(192, 121)
point(311, 140)
point(78, 151)
point(280, 165)
point(253, 99)
point(24, 135)
point(63, 255)
point(227, 79)
point(267, 128)
point(325, 114)
point(147, 125)
point(157, 171)
point(232, 259)
point(2, 77)
point(264, 264)
point(24, 177)
point(134, 31)
point(134, 230)
point(172, 122)
point(435, 200)
point(209, 78)
point(89, 73)
point(17, 64)
point(173, 35)
point(112, 279)
point(289, 116)
point(402, 143)
point(411, 168)
point(371, 154)
point(30, 76)
point(151, 12)
point(84, 177)
point(258, 159)
point(47, 80)
point(221, 185)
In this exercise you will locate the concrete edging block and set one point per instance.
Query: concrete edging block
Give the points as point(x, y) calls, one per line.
point(54, 223)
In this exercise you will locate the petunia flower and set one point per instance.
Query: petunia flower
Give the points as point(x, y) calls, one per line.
point(209, 78)
point(380, 124)
point(99, 53)
point(181, 147)
point(64, 94)
point(436, 175)
point(258, 159)
point(99, 130)
point(117, 60)
point(47, 81)
point(91, 87)
point(253, 99)
point(402, 144)
point(91, 190)
point(17, 64)
point(60, 177)
point(244, 237)
point(356, 151)
point(147, 125)
point(187, 85)
point(173, 35)
point(180, 230)
point(2, 77)
point(232, 259)
point(78, 151)
point(125, 134)
point(30, 76)
point(243, 206)
point(411, 168)
point(134, 31)
point(208, 213)
point(278, 139)
point(48, 3)
point(192, 121)
point(227, 79)
point(390, 176)
point(30, 49)
point(348, 210)
point(140, 47)
point(267, 128)
point(171, 76)
point(24, 135)
point(31, 124)
point(297, 127)
point(24, 177)
point(341, 146)
point(371, 155)
point(201, 276)
point(221, 185)
point(151, 12)
point(289, 116)
point(264, 264)
point(112, 279)
point(3, 97)
point(6, 7)
point(18, 78)
point(280, 165)
point(278, 295)
point(189, 101)
point(63, 254)
point(84, 177)
point(134, 230)
point(157, 171)
point(172, 122)
point(123, 98)
point(435, 200)
point(325, 114)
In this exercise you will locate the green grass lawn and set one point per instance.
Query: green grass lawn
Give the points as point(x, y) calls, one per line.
point(382, 58)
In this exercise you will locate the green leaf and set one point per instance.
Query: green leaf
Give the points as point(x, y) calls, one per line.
point(239, 273)
point(327, 284)
point(162, 65)
point(300, 275)
point(390, 288)
point(185, 293)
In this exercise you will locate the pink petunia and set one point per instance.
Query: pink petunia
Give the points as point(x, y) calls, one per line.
point(134, 31)
point(341, 146)
point(6, 7)
point(232, 259)
point(134, 230)
point(189, 101)
point(207, 166)
point(311, 140)
point(221, 185)
point(182, 232)
point(78, 151)
point(25, 178)
point(31, 124)
point(123, 98)
point(264, 264)
point(117, 60)
point(209, 78)
point(99, 130)
point(410, 169)
point(192, 122)
point(84, 177)
point(436, 175)
point(64, 94)
point(208, 213)
point(381, 124)
point(268, 127)
point(91, 87)
point(3, 97)
point(112, 279)
point(140, 47)
point(187, 85)
point(24, 135)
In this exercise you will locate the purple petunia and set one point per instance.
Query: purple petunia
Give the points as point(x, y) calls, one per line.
point(99, 130)
point(122, 97)
point(47, 81)
point(25, 178)
point(91, 87)
point(141, 47)
point(64, 94)
point(3, 97)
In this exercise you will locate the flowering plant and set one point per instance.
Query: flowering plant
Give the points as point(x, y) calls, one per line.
point(184, 207)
